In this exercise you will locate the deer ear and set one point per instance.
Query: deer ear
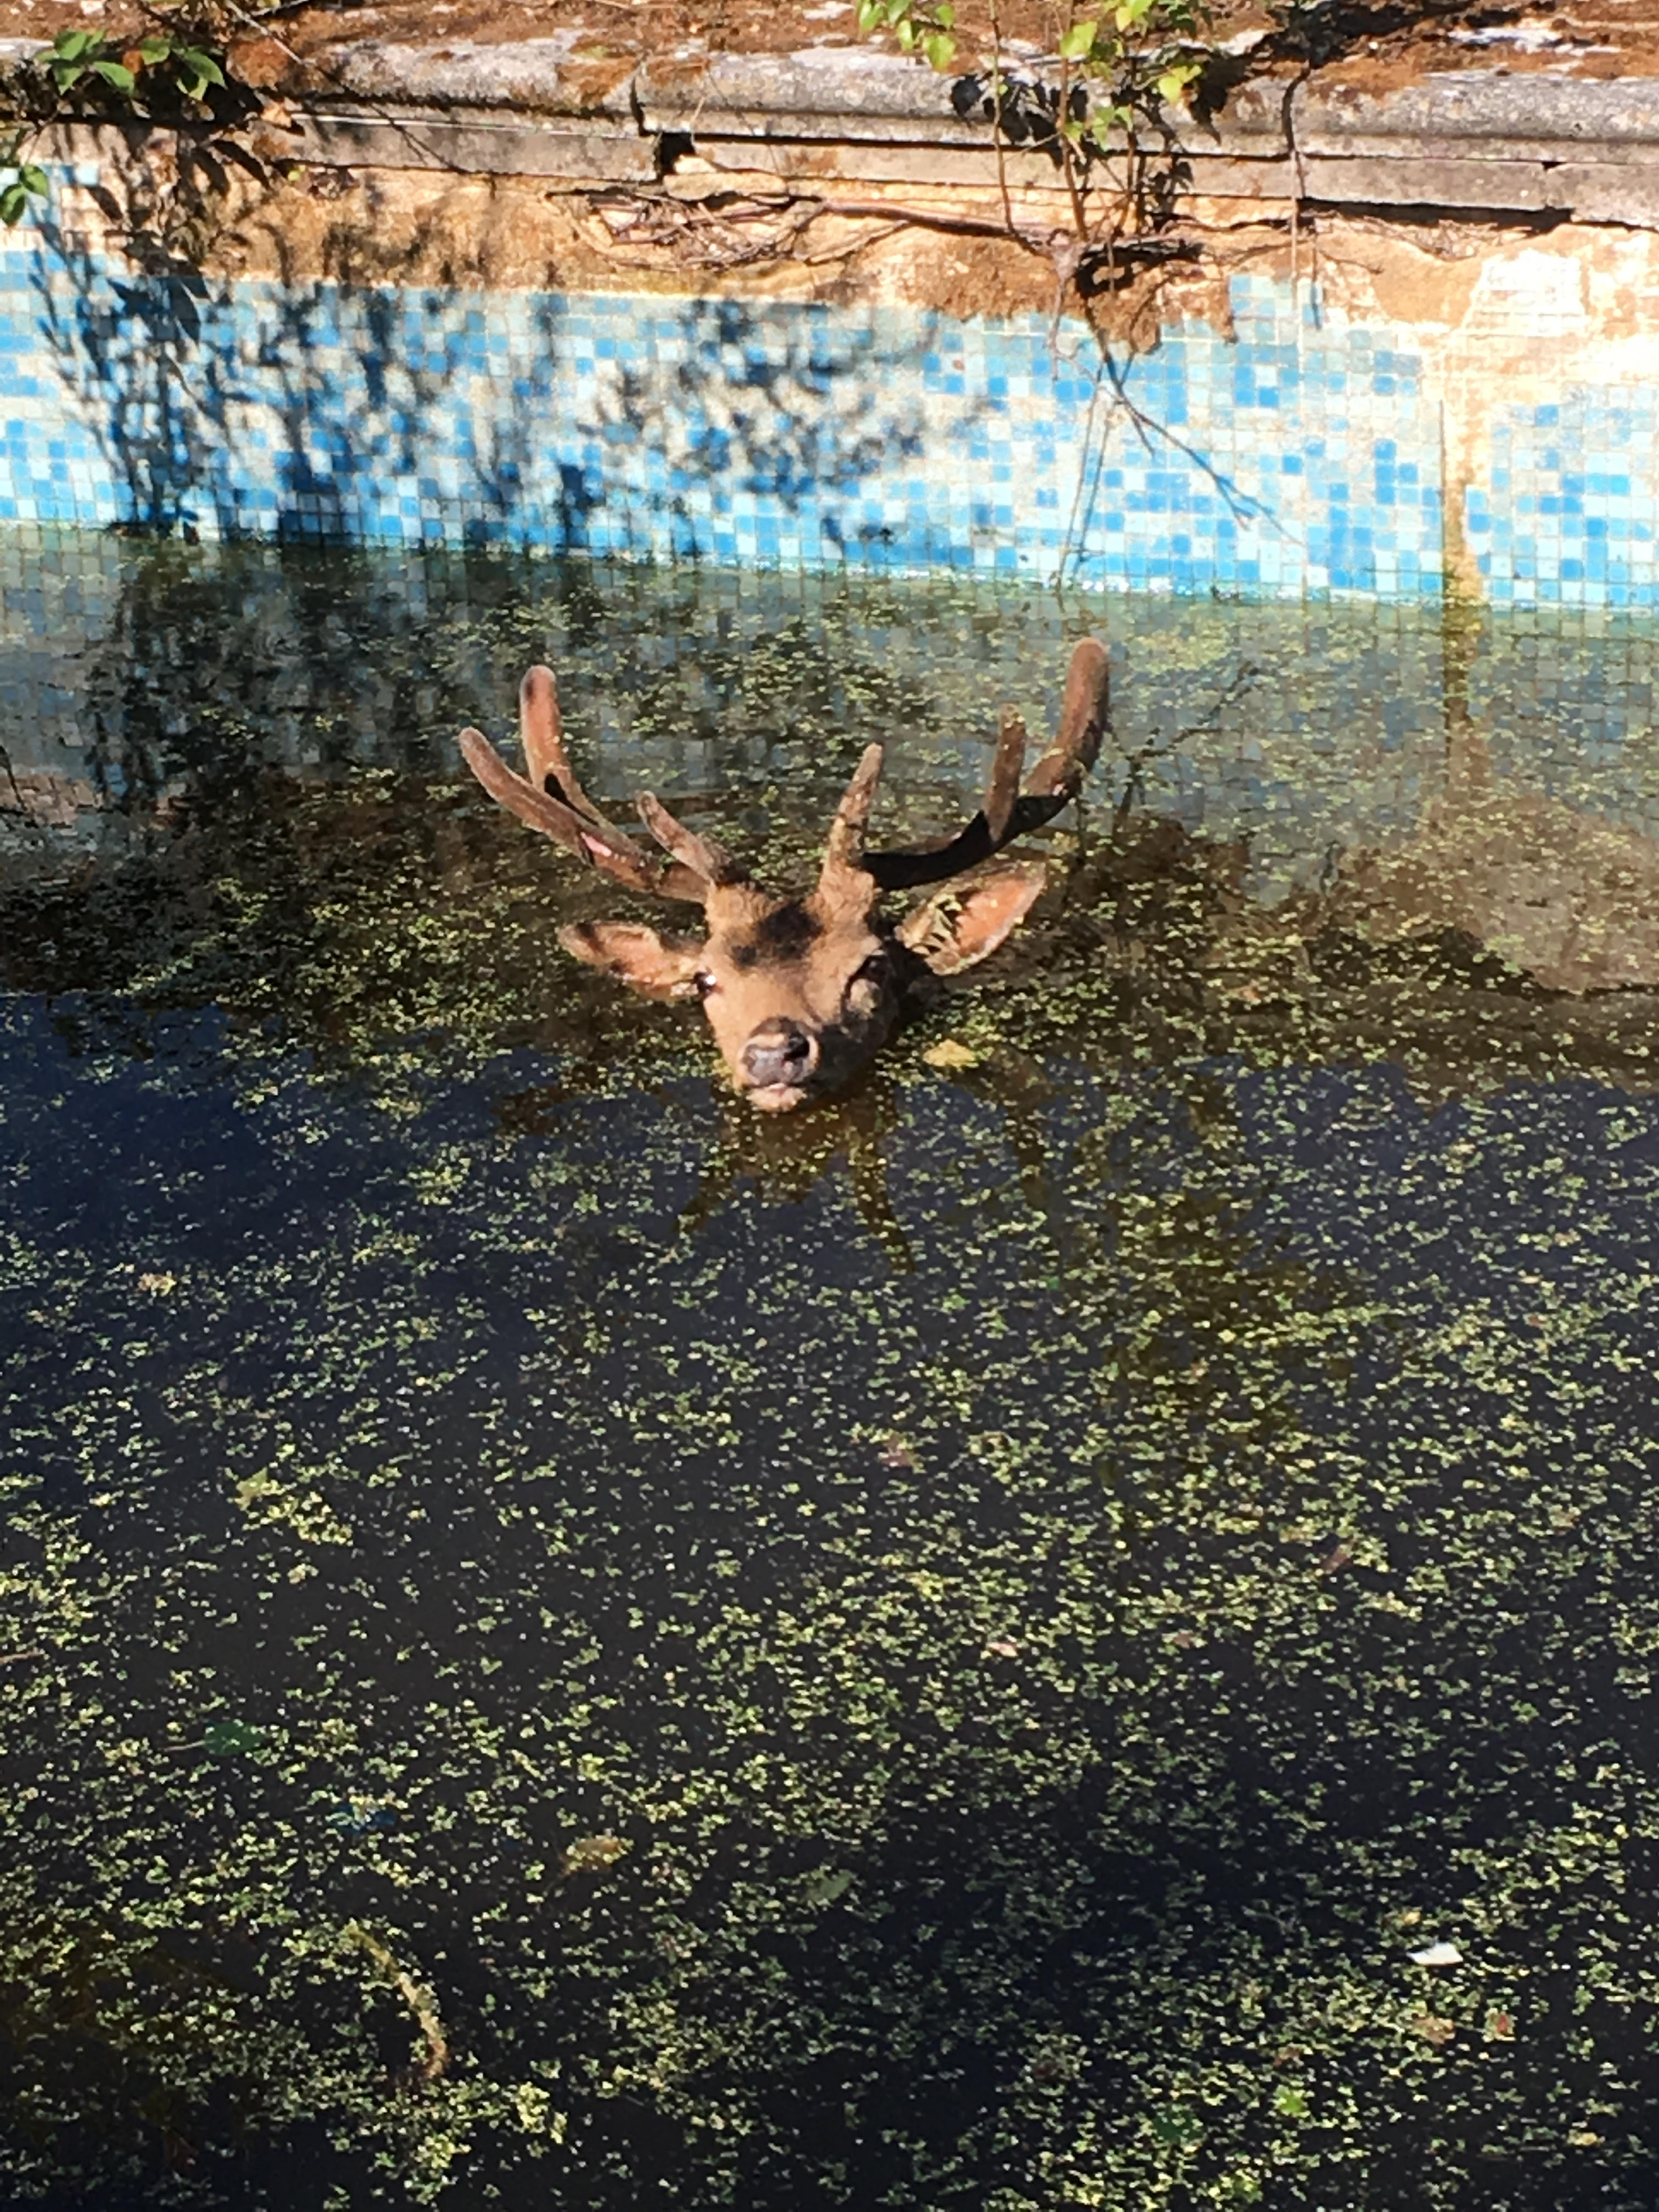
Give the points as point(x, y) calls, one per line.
point(961, 927)
point(661, 967)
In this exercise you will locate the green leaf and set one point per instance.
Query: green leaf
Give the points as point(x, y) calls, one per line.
point(1079, 42)
point(68, 74)
point(871, 12)
point(201, 65)
point(228, 1738)
point(69, 45)
point(116, 73)
point(34, 179)
point(897, 10)
point(945, 15)
point(14, 199)
point(1175, 82)
point(907, 34)
point(155, 49)
point(1176, 2126)
point(941, 50)
point(827, 1885)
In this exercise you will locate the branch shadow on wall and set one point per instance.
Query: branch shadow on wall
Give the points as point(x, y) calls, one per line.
point(316, 411)
point(774, 405)
point(137, 368)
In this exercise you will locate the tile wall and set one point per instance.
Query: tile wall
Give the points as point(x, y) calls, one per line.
point(1301, 456)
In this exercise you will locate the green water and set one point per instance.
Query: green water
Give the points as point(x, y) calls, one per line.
point(562, 1646)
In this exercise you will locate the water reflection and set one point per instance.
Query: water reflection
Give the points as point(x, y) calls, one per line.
point(1562, 896)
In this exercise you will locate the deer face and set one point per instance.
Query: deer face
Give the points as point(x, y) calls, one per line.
point(799, 992)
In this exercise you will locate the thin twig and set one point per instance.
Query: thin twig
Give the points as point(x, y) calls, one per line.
point(1076, 525)
point(1066, 151)
point(997, 137)
point(419, 2001)
point(1240, 504)
point(970, 226)
point(11, 778)
point(1244, 680)
point(1287, 122)
point(845, 252)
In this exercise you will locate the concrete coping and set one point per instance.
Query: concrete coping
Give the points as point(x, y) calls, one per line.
point(1541, 142)
point(851, 93)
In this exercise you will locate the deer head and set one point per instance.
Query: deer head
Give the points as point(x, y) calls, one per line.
point(799, 991)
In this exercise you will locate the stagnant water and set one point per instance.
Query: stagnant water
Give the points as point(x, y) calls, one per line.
point(564, 1647)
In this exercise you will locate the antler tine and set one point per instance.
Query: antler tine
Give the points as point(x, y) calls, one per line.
point(586, 834)
point(1056, 781)
point(843, 849)
point(1002, 785)
point(1084, 711)
point(700, 856)
point(541, 731)
point(543, 747)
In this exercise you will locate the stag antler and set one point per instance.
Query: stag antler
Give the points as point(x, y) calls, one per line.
point(1008, 813)
point(801, 990)
point(550, 798)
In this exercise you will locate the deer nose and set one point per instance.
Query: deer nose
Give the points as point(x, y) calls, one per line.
point(780, 1052)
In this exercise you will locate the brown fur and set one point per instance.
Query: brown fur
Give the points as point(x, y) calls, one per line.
point(799, 992)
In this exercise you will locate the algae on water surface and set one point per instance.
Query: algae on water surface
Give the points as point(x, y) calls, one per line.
point(564, 1647)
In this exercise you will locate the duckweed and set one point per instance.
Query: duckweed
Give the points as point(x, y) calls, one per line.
point(562, 1646)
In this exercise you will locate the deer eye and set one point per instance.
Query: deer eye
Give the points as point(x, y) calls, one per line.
point(703, 983)
point(866, 982)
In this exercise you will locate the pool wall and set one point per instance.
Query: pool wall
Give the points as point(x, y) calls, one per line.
point(1301, 443)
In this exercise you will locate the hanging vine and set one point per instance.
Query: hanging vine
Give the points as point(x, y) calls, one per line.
point(1102, 105)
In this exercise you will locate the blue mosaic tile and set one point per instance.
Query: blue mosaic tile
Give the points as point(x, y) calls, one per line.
point(1303, 458)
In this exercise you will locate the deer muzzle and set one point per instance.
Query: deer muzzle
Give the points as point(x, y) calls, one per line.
point(777, 1062)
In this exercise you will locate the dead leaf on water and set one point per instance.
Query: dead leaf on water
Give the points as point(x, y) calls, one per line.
point(592, 1853)
point(951, 1052)
point(1434, 2028)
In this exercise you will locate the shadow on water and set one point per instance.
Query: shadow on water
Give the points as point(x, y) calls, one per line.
point(563, 1646)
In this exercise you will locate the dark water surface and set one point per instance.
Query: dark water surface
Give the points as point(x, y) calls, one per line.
point(565, 1647)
